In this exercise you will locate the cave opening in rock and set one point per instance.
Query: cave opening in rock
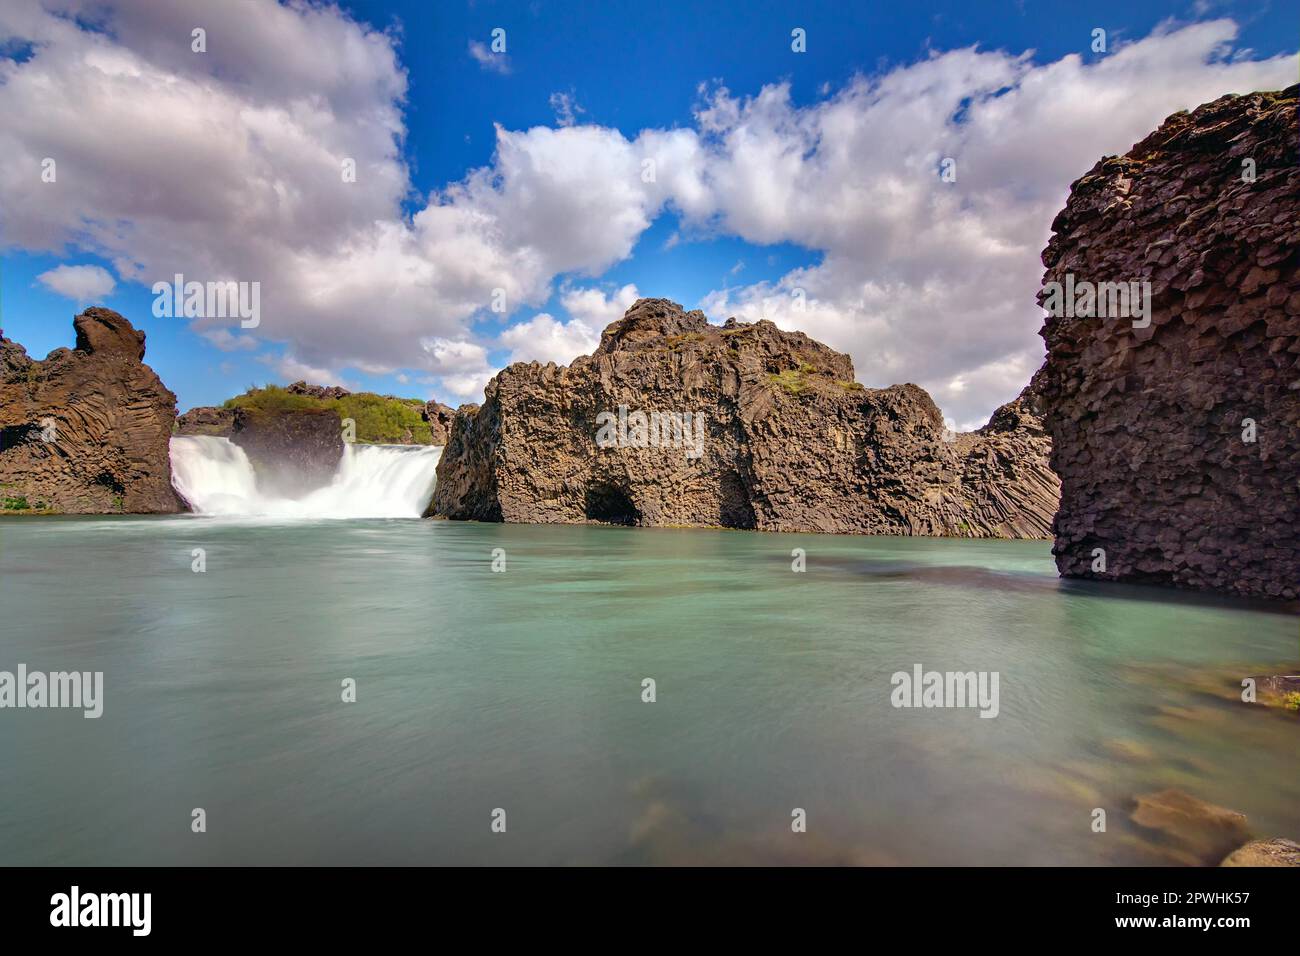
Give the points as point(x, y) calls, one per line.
point(611, 505)
point(13, 435)
point(735, 510)
point(110, 481)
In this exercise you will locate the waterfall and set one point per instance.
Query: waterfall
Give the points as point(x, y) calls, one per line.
point(215, 477)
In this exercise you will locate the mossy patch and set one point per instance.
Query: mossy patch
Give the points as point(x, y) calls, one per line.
point(793, 381)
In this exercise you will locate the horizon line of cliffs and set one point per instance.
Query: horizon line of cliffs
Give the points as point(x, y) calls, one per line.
point(1168, 405)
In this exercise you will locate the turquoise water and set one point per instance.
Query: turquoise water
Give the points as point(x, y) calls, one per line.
point(522, 691)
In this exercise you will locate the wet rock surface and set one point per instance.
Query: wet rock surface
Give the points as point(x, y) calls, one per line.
point(1178, 443)
point(291, 452)
point(1201, 829)
point(676, 422)
point(86, 431)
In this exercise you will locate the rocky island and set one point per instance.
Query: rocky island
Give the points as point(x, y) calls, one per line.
point(790, 441)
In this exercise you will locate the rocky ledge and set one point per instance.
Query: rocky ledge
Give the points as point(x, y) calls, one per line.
point(290, 451)
point(1177, 436)
point(676, 422)
point(86, 431)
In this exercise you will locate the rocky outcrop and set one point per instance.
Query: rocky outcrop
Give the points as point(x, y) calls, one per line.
point(317, 391)
point(1265, 853)
point(86, 431)
point(290, 451)
point(1178, 441)
point(673, 421)
point(439, 417)
point(206, 420)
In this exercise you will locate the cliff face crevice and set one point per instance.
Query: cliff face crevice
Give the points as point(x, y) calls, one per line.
point(676, 422)
point(86, 431)
point(1178, 441)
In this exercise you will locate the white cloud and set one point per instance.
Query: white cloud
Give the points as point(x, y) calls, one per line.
point(82, 284)
point(596, 308)
point(543, 339)
point(484, 57)
point(927, 281)
point(227, 341)
point(462, 366)
point(918, 279)
point(566, 108)
point(290, 369)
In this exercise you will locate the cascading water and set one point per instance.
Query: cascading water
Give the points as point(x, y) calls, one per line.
point(215, 477)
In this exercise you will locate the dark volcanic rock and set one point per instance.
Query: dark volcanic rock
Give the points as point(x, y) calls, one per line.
point(1151, 427)
point(86, 431)
point(206, 420)
point(787, 441)
point(291, 452)
point(439, 417)
point(317, 391)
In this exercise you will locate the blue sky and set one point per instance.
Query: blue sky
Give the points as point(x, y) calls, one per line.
point(916, 284)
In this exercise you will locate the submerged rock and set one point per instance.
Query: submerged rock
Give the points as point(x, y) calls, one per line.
point(673, 421)
point(1201, 829)
point(1265, 853)
point(86, 431)
point(1176, 432)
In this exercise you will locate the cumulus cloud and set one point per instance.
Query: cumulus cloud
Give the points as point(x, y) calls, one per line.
point(290, 369)
point(227, 341)
point(919, 279)
point(462, 366)
point(82, 284)
point(543, 339)
point(595, 307)
point(930, 281)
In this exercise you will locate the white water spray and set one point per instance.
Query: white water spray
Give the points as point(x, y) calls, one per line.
point(215, 477)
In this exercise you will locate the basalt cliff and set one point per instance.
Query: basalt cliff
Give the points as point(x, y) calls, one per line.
point(673, 421)
point(86, 431)
point(1177, 433)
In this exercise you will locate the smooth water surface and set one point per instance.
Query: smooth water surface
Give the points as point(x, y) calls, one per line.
point(522, 690)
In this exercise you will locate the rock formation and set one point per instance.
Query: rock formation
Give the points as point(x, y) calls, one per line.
point(439, 417)
point(86, 431)
point(1202, 833)
point(1178, 441)
point(206, 420)
point(673, 421)
point(317, 391)
point(1277, 852)
point(290, 451)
